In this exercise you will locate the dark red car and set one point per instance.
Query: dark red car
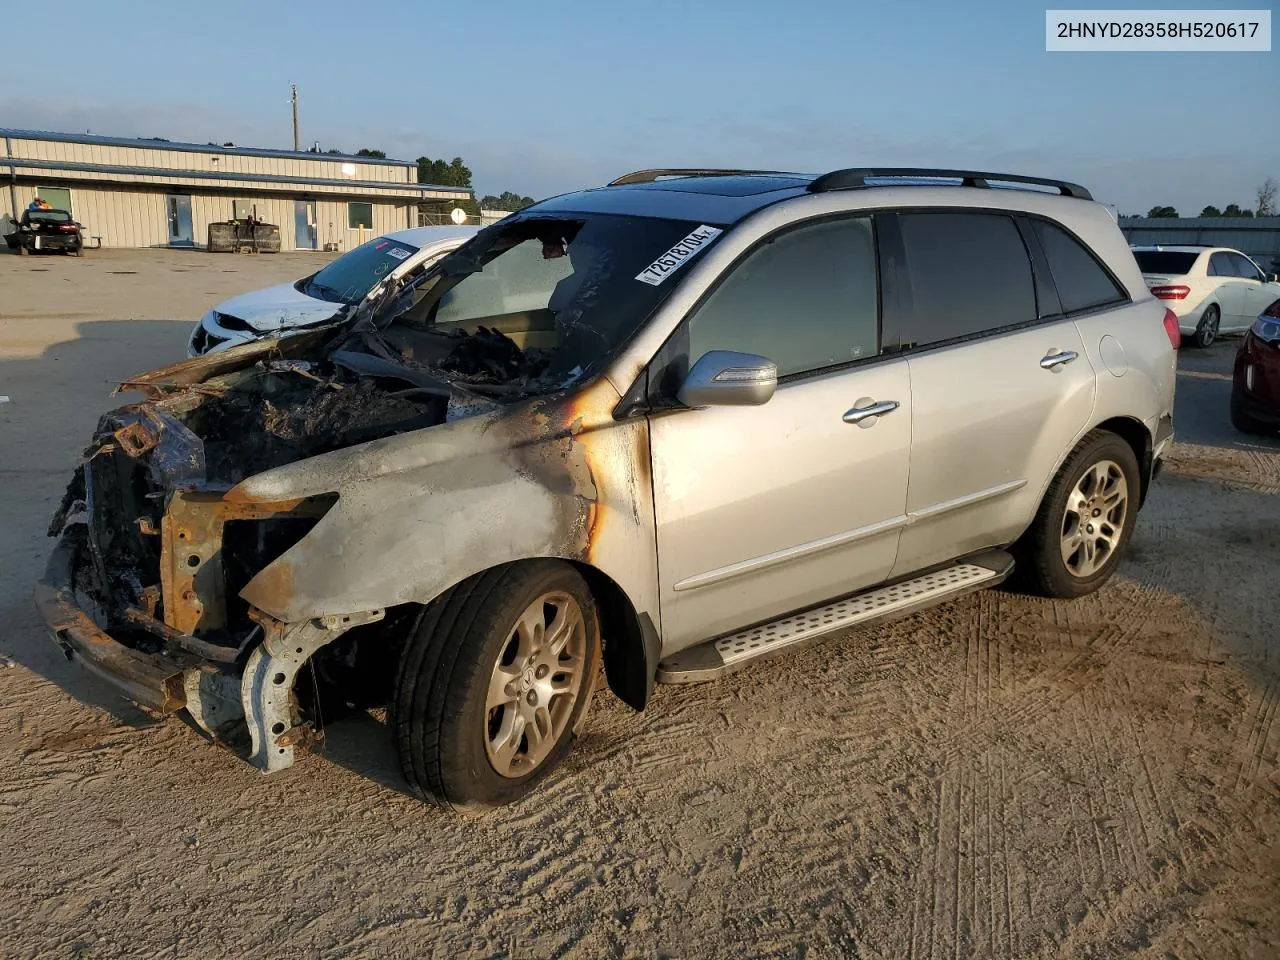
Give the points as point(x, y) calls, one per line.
point(1255, 390)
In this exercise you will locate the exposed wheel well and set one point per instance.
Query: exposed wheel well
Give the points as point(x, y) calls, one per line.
point(359, 670)
point(630, 640)
point(1134, 433)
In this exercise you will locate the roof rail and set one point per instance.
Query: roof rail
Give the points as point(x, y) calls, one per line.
point(648, 176)
point(856, 178)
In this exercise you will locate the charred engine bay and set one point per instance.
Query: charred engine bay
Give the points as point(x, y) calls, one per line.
point(367, 386)
point(212, 434)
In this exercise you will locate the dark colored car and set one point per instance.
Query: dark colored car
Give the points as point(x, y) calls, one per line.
point(1255, 390)
point(45, 230)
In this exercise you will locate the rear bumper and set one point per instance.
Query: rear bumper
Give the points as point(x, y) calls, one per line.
point(151, 680)
point(1254, 410)
point(1160, 446)
point(54, 242)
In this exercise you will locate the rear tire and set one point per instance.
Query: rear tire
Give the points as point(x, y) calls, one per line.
point(1241, 420)
point(485, 704)
point(1207, 329)
point(1085, 519)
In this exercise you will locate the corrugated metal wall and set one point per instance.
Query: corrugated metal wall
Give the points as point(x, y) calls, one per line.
point(137, 218)
point(1259, 237)
point(215, 160)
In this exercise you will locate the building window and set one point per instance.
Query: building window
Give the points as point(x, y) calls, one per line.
point(57, 197)
point(360, 215)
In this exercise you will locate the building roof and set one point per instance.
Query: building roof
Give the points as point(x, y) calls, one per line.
point(155, 143)
point(119, 173)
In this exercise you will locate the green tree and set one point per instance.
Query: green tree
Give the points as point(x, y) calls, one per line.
point(444, 173)
point(507, 200)
point(1233, 210)
point(366, 152)
point(1210, 211)
point(1162, 213)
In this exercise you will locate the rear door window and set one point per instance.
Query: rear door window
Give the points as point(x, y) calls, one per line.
point(806, 300)
point(1244, 268)
point(1082, 282)
point(1220, 266)
point(970, 274)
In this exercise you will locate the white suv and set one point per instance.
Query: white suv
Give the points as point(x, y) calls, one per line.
point(1212, 290)
point(673, 425)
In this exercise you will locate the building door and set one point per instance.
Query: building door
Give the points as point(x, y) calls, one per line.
point(179, 212)
point(304, 224)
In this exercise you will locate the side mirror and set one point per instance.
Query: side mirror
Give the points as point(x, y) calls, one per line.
point(724, 378)
point(1273, 278)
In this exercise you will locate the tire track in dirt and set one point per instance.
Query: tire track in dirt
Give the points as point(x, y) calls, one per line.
point(964, 900)
point(1255, 745)
point(1053, 688)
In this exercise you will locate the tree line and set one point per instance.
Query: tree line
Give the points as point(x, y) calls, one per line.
point(455, 173)
point(1265, 207)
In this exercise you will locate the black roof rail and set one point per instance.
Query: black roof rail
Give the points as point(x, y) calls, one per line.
point(855, 178)
point(648, 176)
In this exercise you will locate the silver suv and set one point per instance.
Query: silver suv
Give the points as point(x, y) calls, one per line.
point(672, 426)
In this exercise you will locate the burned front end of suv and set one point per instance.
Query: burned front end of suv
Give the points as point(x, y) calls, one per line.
point(294, 504)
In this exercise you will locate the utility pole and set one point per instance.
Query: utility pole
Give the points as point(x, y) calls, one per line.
point(294, 88)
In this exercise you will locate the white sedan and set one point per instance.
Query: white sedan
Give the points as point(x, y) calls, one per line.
point(1211, 290)
point(341, 285)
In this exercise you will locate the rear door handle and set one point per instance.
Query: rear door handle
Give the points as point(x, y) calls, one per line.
point(858, 414)
point(1051, 361)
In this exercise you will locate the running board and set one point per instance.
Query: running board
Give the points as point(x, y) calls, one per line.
point(715, 658)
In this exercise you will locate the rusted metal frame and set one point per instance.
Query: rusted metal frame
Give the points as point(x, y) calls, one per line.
point(266, 691)
point(183, 641)
point(192, 578)
point(147, 679)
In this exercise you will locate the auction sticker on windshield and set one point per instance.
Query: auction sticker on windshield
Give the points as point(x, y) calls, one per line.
point(398, 252)
point(673, 259)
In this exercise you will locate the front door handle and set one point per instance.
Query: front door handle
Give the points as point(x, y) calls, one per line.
point(873, 409)
point(1052, 361)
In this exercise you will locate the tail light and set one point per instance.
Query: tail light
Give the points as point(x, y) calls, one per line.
point(68, 228)
point(1175, 292)
point(1171, 328)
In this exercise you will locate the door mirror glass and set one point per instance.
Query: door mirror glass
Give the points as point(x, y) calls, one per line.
point(724, 378)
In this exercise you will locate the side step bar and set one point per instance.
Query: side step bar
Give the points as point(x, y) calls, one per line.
point(715, 658)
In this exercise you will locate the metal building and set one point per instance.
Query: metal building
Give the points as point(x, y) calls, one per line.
point(1259, 237)
point(158, 193)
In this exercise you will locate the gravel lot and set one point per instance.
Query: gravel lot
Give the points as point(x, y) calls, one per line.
point(1003, 776)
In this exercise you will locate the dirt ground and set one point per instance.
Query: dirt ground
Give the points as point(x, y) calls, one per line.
point(1002, 776)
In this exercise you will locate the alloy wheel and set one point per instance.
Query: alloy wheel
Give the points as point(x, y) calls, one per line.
point(1094, 518)
point(537, 679)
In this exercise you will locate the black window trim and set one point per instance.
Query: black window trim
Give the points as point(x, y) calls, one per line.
point(1124, 296)
point(658, 403)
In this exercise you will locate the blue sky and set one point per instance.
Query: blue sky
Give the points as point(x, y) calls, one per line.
point(550, 96)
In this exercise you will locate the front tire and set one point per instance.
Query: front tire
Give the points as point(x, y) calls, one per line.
point(1207, 329)
point(495, 683)
point(1085, 520)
